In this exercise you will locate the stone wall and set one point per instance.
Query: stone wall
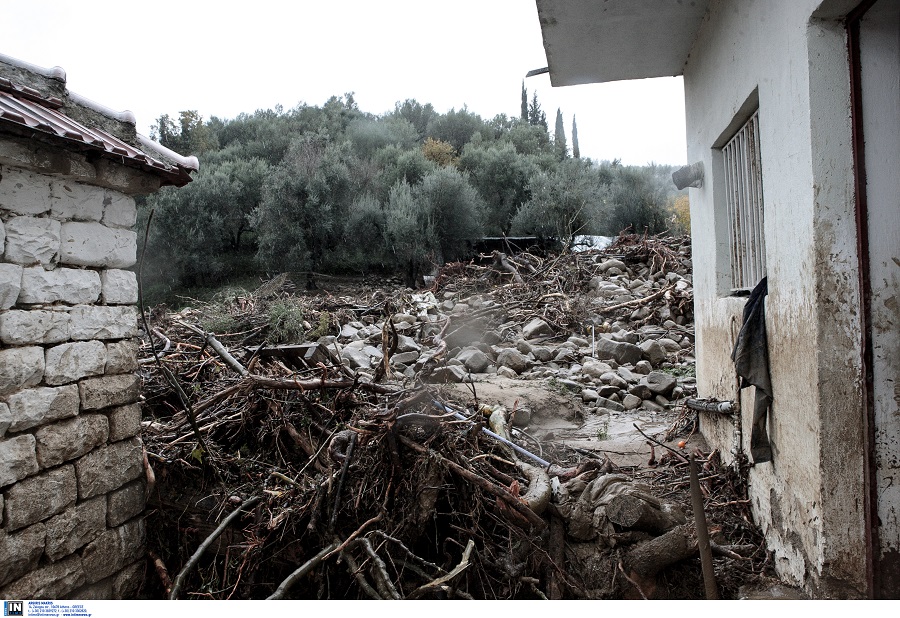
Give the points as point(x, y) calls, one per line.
point(72, 482)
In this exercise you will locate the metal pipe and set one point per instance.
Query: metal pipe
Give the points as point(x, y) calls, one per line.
point(701, 405)
point(485, 430)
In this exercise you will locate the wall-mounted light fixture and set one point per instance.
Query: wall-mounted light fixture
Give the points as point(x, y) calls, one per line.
point(689, 176)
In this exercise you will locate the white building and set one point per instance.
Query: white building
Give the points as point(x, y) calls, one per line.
point(793, 112)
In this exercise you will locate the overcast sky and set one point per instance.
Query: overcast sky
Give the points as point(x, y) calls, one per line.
point(223, 58)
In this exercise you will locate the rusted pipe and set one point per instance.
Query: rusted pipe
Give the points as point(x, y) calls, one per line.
point(701, 405)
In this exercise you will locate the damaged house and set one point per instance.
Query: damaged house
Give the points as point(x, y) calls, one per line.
point(72, 475)
point(793, 133)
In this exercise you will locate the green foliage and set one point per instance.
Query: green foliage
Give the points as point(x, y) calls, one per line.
point(559, 137)
point(576, 151)
point(501, 176)
point(638, 201)
point(285, 320)
point(305, 200)
point(330, 188)
point(565, 202)
point(457, 128)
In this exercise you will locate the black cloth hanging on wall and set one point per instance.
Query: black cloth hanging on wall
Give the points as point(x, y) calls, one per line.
point(751, 361)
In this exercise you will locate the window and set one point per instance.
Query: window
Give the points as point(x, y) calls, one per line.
point(744, 206)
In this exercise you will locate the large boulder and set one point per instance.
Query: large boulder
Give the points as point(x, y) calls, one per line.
point(513, 359)
point(660, 383)
point(622, 353)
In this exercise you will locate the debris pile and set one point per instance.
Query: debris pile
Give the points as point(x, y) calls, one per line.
point(353, 440)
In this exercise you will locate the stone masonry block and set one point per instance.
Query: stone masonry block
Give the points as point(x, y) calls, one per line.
point(119, 287)
point(72, 361)
point(93, 244)
point(124, 422)
point(128, 581)
point(24, 193)
point(40, 497)
point(31, 240)
point(121, 356)
point(97, 393)
point(51, 581)
point(20, 551)
point(20, 368)
point(119, 210)
point(102, 590)
point(109, 468)
point(10, 285)
point(40, 405)
point(67, 440)
point(31, 327)
point(75, 527)
point(17, 459)
point(69, 285)
point(75, 201)
point(126, 503)
point(6, 419)
point(97, 322)
point(112, 550)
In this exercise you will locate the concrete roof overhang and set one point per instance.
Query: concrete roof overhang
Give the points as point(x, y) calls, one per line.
point(589, 41)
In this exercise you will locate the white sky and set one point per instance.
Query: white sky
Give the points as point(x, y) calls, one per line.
point(223, 58)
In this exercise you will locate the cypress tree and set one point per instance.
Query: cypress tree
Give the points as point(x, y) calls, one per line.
point(524, 102)
point(559, 136)
point(576, 152)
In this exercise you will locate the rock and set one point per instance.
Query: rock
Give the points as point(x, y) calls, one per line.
point(661, 401)
point(632, 402)
point(607, 390)
point(613, 379)
point(670, 345)
point(521, 417)
point(653, 406)
point(627, 375)
point(609, 404)
point(356, 358)
point(491, 337)
point(643, 367)
point(622, 353)
point(474, 360)
point(524, 347)
point(595, 369)
point(612, 263)
point(660, 383)
point(405, 358)
point(506, 372)
point(625, 336)
point(451, 374)
point(579, 342)
point(654, 352)
point(542, 354)
point(348, 333)
point(536, 328)
point(407, 344)
point(589, 394)
point(513, 359)
point(641, 391)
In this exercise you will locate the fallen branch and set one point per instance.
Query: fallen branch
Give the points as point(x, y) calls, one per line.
point(294, 577)
point(459, 568)
point(191, 563)
point(216, 345)
point(500, 492)
point(639, 301)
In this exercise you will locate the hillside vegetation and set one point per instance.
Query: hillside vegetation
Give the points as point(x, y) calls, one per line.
point(333, 189)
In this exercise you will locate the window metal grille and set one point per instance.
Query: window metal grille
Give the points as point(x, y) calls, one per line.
point(744, 203)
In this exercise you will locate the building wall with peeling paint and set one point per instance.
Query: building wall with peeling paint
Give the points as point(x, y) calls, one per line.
point(790, 60)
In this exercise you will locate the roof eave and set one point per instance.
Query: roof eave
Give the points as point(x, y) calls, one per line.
point(591, 42)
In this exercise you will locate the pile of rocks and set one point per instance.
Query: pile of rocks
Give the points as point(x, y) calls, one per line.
point(635, 334)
